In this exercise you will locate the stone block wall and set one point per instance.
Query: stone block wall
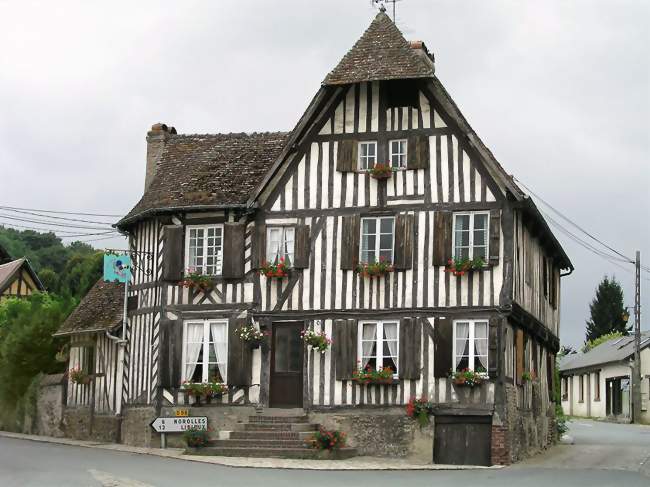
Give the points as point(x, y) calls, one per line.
point(385, 432)
point(78, 423)
point(135, 429)
point(49, 407)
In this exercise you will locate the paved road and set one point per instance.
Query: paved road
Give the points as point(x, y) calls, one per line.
point(604, 455)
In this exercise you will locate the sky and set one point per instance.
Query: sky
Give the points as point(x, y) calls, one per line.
point(559, 91)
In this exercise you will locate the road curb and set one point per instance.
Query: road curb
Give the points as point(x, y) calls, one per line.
point(358, 463)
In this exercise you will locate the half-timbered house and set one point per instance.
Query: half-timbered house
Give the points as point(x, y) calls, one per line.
point(17, 277)
point(225, 205)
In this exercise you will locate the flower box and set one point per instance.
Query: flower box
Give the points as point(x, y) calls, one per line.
point(375, 269)
point(196, 280)
point(381, 171)
point(203, 390)
point(277, 270)
point(369, 375)
point(459, 267)
point(469, 377)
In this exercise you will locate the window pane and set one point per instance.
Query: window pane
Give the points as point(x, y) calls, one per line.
point(480, 221)
point(463, 364)
point(390, 362)
point(386, 242)
point(462, 222)
point(369, 225)
point(480, 329)
point(480, 237)
point(386, 225)
point(386, 255)
point(462, 238)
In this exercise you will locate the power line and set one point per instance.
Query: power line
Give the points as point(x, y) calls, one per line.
point(97, 239)
point(49, 230)
point(62, 212)
point(52, 217)
point(48, 223)
point(628, 259)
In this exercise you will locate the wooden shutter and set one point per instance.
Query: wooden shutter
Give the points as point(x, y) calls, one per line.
point(350, 242)
point(442, 237)
point(173, 253)
point(410, 343)
point(550, 375)
point(233, 250)
point(404, 241)
point(442, 347)
point(239, 356)
point(301, 247)
point(495, 237)
point(347, 155)
point(493, 347)
point(344, 346)
point(259, 245)
point(174, 353)
point(520, 355)
point(418, 152)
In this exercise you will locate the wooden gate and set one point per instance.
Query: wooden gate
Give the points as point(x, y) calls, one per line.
point(462, 440)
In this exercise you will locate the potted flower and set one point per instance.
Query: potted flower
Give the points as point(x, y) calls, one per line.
point(195, 279)
point(79, 376)
point(469, 377)
point(277, 269)
point(327, 440)
point(196, 437)
point(375, 269)
point(461, 266)
point(318, 341)
point(370, 375)
point(252, 336)
point(194, 389)
point(419, 409)
point(381, 171)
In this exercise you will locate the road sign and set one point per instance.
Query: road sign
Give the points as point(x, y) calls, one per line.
point(178, 425)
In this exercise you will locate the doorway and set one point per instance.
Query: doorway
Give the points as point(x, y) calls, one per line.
point(287, 352)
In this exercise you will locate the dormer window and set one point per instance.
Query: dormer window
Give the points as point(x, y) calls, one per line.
point(204, 249)
point(367, 155)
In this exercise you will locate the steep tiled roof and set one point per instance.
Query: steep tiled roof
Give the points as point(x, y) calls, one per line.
point(101, 309)
point(208, 170)
point(381, 53)
point(614, 350)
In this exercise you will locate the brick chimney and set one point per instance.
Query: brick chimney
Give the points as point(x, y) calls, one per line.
point(156, 139)
point(421, 48)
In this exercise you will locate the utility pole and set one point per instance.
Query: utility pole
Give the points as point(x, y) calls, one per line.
point(636, 377)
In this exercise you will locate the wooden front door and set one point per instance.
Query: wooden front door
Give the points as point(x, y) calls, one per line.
point(287, 351)
point(462, 440)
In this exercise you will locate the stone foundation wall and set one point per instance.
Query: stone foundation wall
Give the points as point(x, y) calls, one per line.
point(524, 431)
point(135, 429)
point(77, 424)
point(49, 407)
point(386, 432)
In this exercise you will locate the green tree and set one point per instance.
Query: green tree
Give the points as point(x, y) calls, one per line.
point(607, 311)
point(27, 347)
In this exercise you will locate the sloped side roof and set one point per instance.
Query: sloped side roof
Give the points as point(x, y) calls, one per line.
point(9, 270)
point(208, 170)
point(381, 53)
point(100, 309)
point(611, 351)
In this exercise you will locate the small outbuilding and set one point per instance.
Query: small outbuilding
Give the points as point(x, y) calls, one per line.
point(599, 383)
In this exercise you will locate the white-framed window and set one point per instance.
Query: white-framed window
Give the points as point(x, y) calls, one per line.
point(204, 248)
point(471, 344)
point(377, 236)
point(205, 351)
point(378, 345)
point(367, 155)
point(398, 152)
point(280, 243)
point(470, 239)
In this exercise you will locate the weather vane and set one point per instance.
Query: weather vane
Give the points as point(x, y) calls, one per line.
point(382, 5)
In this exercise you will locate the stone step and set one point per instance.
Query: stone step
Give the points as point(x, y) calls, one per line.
point(300, 453)
point(278, 419)
point(270, 435)
point(280, 426)
point(260, 443)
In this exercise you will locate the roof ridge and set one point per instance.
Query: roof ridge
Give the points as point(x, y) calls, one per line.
point(225, 134)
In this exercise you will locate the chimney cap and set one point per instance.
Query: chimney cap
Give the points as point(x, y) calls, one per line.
point(161, 127)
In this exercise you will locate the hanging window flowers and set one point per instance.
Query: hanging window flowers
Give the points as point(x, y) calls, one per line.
point(196, 280)
point(370, 375)
point(277, 269)
point(251, 335)
point(381, 171)
point(318, 341)
point(461, 266)
point(469, 377)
